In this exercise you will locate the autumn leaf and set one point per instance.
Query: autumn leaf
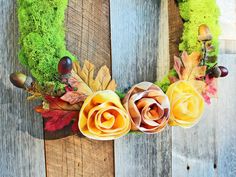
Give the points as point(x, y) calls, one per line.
point(188, 67)
point(102, 81)
point(80, 94)
point(57, 113)
point(85, 84)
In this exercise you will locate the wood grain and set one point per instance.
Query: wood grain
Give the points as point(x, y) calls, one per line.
point(135, 39)
point(88, 37)
point(21, 130)
point(175, 29)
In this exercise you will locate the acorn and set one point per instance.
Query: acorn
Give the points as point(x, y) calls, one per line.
point(224, 71)
point(20, 80)
point(204, 33)
point(215, 72)
point(65, 65)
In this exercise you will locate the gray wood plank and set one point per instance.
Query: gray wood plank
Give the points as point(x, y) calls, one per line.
point(208, 149)
point(139, 39)
point(21, 131)
point(225, 122)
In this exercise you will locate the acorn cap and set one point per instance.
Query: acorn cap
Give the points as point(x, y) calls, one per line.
point(204, 33)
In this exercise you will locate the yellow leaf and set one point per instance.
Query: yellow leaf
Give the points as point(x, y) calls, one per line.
point(86, 74)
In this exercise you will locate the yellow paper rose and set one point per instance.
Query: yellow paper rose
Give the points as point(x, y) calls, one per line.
point(102, 116)
point(187, 105)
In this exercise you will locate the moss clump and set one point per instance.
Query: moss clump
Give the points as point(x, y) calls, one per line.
point(42, 36)
point(195, 13)
point(165, 82)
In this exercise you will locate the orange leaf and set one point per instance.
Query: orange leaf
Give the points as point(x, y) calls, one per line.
point(188, 67)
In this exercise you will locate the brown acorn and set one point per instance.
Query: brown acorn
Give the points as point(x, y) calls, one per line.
point(20, 80)
point(215, 72)
point(204, 33)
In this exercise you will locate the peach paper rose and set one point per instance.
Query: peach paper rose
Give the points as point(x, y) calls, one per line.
point(187, 105)
point(102, 116)
point(148, 107)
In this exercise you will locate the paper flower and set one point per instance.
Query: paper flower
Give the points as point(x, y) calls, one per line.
point(187, 105)
point(148, 107)
point(102, 116)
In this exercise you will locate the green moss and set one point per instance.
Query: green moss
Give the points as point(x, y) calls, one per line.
point(42, 36)
point(195, 13)
point(165, 82)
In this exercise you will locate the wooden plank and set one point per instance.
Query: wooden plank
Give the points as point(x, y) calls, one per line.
point(88, 37)
point(175, 29)
point(139, 38)
point(225, 121)
point(21, 130)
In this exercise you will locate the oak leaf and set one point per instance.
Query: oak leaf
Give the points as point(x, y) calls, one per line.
point(188, 68)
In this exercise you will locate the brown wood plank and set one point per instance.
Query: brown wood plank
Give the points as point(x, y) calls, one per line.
point(175, 29)
point(139, 37)
point(88, 37)
point(21, 130)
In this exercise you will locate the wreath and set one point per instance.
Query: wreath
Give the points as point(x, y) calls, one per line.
point(70, 92)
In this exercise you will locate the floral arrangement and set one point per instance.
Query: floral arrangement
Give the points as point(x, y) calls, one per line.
point(71, 93)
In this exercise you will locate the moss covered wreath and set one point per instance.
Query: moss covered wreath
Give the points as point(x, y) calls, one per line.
point(70, 92)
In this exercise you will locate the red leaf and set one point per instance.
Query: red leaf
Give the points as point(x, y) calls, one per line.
point(59, 119)
point(59, 114)
point(75, 128)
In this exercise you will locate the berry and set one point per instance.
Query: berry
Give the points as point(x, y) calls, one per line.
point(65, 65)
point(224, 71)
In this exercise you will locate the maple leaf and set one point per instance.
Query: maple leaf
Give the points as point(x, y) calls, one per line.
point(85, 84)
point(58, 113)
point(187, 67)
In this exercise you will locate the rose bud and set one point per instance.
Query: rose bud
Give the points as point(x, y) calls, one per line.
point(20, 80)
point(204, 33)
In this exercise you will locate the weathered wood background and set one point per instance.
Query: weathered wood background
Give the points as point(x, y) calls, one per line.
point(135, 39)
